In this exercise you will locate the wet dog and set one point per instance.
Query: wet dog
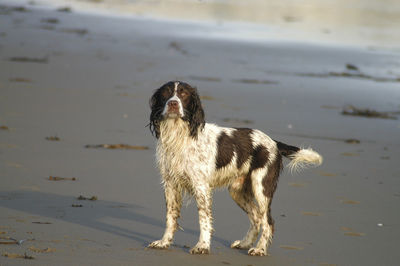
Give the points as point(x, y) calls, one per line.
point(196, 157)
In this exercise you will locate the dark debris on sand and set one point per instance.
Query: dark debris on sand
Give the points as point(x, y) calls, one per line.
point(351, 71)
point(352, 141)
point(93, 198)
point(17, 256)
point(20, 80)
point(57, 178)
point(116, 147)
point(178, 47)
point(77, 31)
point(53, 138)
point(254, 81)
point(237, 120)
point(64, 9)
point(50, 20)
point(25, 59)
point(369, 113)
point(6, 10)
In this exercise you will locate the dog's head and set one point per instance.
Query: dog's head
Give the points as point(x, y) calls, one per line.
point(176, 100)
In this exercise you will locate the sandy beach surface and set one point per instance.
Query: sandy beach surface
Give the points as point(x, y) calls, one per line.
point(68, 80)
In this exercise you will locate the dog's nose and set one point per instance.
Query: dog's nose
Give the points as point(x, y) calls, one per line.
point(173, 104)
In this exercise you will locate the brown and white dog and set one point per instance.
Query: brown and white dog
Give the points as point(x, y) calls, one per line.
point(196, 157)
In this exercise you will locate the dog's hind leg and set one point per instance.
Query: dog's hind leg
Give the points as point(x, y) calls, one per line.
point(263, 206)
point(264, 183)
point(267, 226)
point(241, 193)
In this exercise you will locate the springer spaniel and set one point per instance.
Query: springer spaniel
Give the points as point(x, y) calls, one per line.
point(196, 157)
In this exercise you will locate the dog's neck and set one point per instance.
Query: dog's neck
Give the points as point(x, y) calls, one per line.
point(174, 133)
point(172, 147)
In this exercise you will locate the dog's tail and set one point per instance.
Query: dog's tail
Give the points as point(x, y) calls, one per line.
point(300, 158)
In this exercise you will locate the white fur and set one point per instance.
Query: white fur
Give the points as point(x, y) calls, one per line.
point(303, 159)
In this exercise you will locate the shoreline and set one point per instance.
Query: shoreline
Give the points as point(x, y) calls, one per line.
point(80, 81)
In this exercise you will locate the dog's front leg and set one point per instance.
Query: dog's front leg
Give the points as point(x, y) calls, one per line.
point(173, 199)
point(204, 202)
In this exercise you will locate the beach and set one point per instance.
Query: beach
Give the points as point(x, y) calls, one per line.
point(72, 84)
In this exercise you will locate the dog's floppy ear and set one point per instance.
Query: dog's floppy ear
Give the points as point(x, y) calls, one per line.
point(196, 114)
point(156, 105)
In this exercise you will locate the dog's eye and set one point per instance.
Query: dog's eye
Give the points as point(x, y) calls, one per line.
point(183, 93)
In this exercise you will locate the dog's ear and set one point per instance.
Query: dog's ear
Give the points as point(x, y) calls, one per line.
point(196, 114)
point(156, 105)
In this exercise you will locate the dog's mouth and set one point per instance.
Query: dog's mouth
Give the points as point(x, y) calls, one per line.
point(173, 110)
point(172, 114)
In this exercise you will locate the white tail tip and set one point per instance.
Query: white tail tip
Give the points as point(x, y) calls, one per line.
point(304, 158)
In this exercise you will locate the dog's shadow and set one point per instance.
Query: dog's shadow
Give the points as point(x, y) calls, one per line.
point(91, 214)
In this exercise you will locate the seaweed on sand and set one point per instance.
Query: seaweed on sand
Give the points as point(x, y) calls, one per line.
point(369, 113)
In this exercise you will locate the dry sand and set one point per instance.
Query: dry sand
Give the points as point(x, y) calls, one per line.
point(87, 81)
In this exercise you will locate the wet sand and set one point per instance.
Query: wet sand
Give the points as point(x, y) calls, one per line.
point(69, 80)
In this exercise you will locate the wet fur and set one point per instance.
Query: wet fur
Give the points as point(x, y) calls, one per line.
point(197, 157)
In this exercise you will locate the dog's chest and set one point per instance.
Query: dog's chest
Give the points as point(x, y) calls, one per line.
point(184, 158)
point(180, 158)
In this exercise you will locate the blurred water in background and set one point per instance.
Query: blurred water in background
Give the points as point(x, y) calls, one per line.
point(366, 23)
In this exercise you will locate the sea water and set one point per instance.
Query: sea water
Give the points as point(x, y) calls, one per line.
point(371, 24)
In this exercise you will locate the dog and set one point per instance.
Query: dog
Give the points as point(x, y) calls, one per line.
point(196, 157)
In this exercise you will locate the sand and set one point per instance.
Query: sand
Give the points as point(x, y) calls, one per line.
point(68, 80)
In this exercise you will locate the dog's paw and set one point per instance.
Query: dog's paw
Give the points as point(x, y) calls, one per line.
point(159, 244)
point(257, 252)
point(240, 245)
point(200, 249)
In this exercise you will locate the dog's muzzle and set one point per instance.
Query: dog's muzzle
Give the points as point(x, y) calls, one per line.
point(173, 108)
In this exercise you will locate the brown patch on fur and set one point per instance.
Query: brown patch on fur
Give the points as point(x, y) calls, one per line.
point(270, 181)
point(286, 150)
point(243, 145)
point(240, 142)
point(271, 221)
point(260, 157)
point(225, 150)
point(247, 186)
